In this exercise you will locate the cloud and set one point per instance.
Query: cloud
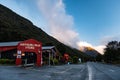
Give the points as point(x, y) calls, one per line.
point(107, 39)
point(59, 22)
point(83, 43)
point(99, 48)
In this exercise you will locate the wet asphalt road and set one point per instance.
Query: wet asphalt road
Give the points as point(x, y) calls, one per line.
point(86, 71)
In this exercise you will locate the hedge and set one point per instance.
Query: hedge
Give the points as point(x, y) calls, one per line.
point(7, 61)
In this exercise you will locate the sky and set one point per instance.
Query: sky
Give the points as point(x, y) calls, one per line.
point(77, 23)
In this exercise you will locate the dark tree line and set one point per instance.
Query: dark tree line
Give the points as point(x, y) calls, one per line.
point(112, 52)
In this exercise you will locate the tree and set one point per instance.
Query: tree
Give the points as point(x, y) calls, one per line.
point(75, 59)
point(112, 52)
point(99, 58)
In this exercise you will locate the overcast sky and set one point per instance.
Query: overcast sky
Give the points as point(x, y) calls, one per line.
point(74, 22)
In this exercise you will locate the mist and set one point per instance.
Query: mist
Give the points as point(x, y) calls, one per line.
point(61, 24)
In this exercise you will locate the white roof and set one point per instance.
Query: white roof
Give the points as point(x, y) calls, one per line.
point(48, 47)
point(16, 43)
point(9, 43)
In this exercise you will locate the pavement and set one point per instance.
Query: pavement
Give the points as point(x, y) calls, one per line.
point(86, 71)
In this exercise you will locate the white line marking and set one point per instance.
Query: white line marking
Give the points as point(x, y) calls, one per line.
point(89, 72)
point(50, 71)
point(82, 69)
point(111, 70)
point(64, 71)
point(47, 76)
point(35, 70)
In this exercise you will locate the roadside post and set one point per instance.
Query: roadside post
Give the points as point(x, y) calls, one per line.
point(79, 60)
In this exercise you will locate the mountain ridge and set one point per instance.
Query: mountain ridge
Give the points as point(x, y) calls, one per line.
point(89, 51)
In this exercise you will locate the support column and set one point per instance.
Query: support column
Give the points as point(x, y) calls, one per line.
point(38, 63)
point(18, 61)
point(49, 58)
point(0, 54)
point(18, 58)
point(52, 57)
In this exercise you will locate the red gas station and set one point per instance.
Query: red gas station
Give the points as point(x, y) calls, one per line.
point(28, 52)
point(28, 47)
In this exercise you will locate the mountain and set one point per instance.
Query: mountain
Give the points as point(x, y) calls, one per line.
point(89, 51)
point(14, 27)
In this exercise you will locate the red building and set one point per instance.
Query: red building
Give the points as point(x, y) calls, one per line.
point(31, 49)
point(8, 50)
point(27, 52)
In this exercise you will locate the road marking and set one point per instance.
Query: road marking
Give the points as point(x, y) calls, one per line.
point(111, 70)
point(64, 71)
point(82, 69)
point(47, 76)
point(35, 69)
point(50, 71)
point(89, 72)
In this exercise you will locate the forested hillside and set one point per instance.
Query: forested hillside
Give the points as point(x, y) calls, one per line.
point(13, 27)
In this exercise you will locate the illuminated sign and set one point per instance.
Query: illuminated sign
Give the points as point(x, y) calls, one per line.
point(29, 45)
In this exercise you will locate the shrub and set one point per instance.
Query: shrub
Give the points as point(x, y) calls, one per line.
point(6, 61)
point(75, 59)
point(56, 61)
